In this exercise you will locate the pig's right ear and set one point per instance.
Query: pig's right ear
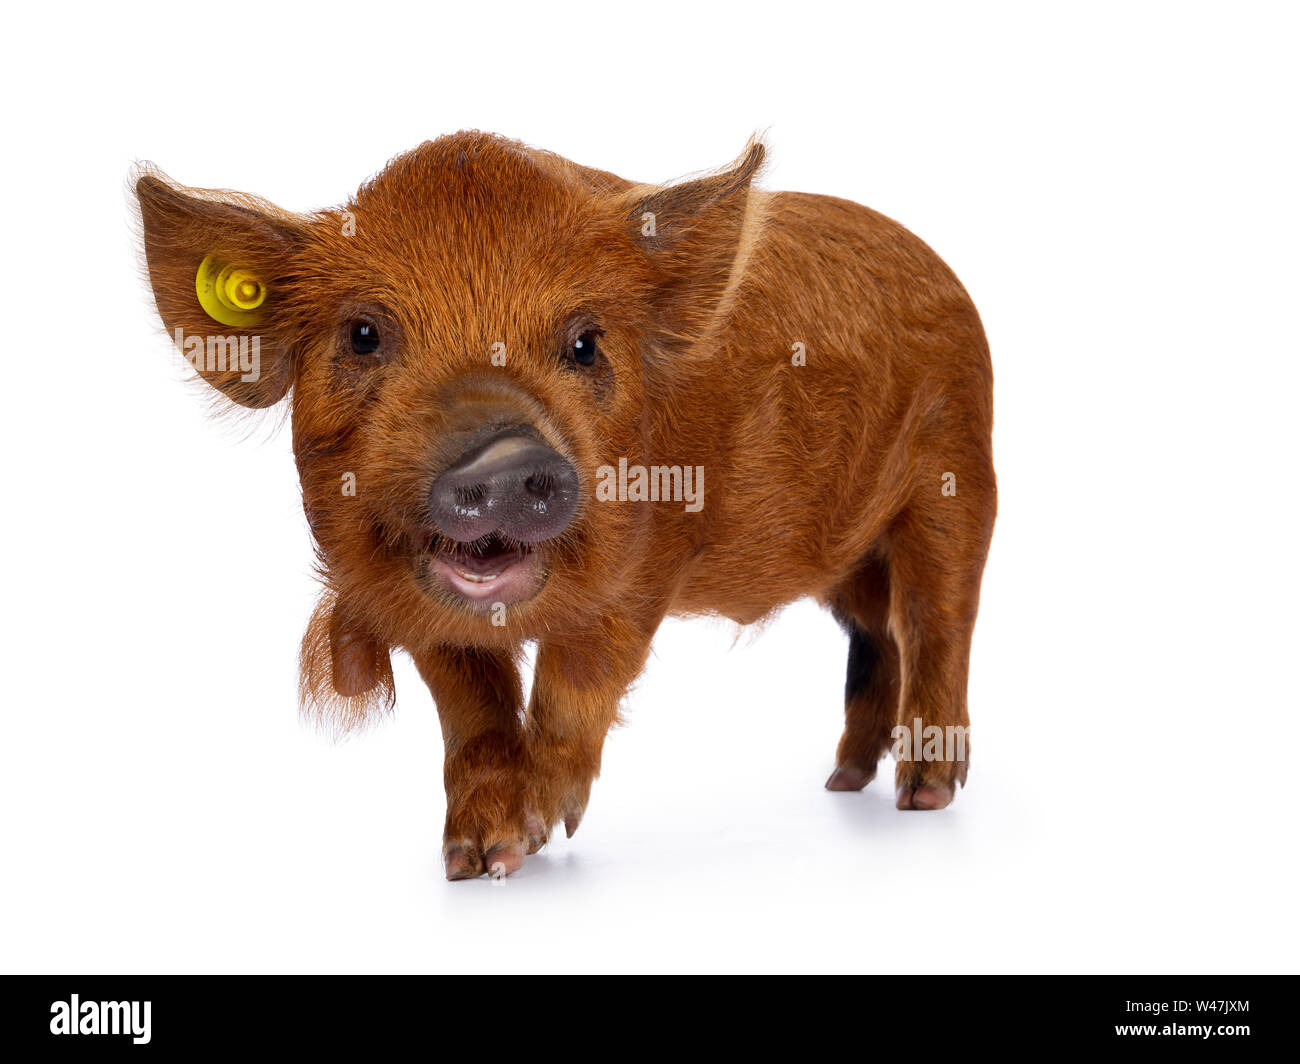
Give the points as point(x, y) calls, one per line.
point(345, 678)
point(697, 235)
point(217, 263)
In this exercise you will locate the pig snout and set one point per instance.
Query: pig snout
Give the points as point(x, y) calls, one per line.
point(514, 485)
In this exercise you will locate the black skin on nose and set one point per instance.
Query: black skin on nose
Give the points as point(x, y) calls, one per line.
point(514, 485)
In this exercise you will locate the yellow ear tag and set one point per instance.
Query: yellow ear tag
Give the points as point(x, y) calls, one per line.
point(229, 294)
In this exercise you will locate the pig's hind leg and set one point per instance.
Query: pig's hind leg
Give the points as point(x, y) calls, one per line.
point(936, 556)
point(871, 687)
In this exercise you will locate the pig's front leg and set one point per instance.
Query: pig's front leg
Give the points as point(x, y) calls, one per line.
point(577, 688)
point(479, 698)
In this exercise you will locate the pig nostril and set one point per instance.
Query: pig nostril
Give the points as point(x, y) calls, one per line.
point(540, 485)
point(515, 486)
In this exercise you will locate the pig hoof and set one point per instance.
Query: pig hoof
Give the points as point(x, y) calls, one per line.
point(572, 811)
point(536, 832)
point(927, 796)
point(850, 778)
point(928, 785)
point(461, 861)
point(555, 800)
point(504, 858)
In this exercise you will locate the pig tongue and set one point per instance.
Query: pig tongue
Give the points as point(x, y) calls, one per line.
point(488, 564)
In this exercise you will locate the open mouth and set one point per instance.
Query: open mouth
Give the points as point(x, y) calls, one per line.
point(490, 568)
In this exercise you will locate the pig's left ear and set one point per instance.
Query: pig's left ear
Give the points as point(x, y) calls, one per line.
point(697, 235)
point(217, 263)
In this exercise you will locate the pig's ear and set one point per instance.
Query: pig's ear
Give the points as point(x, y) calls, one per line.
point(217, 263)
point(697, 235)
point(345, 678)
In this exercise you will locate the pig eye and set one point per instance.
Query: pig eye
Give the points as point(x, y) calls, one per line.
point(583, 351)
point(365, 337)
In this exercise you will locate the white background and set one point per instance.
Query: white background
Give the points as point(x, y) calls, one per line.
point(1117, 188)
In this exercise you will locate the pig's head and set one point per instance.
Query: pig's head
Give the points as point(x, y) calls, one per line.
point(464, 344)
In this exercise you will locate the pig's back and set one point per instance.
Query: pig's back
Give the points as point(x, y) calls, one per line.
point(810, 461)
point(862, 287)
